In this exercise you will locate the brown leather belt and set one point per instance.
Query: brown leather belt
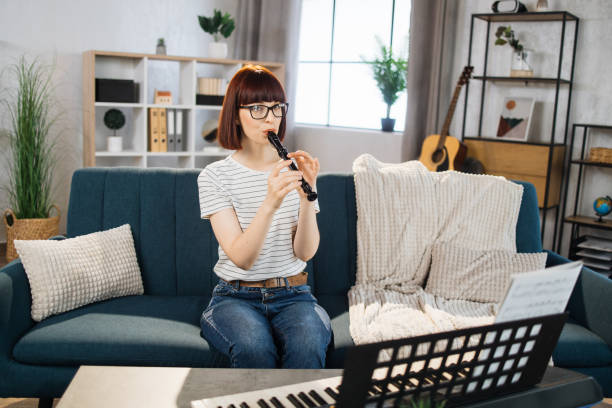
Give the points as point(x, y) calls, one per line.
point(295, 280)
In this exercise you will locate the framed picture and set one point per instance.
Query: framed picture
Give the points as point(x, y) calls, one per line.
point(515, 118)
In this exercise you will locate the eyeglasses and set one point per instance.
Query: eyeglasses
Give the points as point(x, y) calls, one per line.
point(261, 111)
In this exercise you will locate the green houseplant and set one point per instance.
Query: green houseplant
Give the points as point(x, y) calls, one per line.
point(31, 156)
point(114, 119)
point(519, 66)
point(219, 23)
point(390, 75)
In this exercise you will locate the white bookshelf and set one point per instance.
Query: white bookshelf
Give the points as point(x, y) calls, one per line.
point(174, 73)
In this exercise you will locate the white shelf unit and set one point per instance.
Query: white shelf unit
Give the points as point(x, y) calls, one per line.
point(174, 73)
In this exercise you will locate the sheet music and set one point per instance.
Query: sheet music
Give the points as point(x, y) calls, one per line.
point(539, 293)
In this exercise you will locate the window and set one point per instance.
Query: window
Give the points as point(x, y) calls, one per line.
point(335, 87)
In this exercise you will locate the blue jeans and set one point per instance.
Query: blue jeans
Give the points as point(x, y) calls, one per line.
point(267, 327)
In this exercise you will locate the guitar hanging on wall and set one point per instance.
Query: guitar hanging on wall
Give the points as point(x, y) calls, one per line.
point(443, 152)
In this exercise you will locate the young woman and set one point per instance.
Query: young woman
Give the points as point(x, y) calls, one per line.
point(262, 313)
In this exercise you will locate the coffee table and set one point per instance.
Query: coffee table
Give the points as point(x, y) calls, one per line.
point(167, 387)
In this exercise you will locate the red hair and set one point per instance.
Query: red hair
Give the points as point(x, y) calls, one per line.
point(252, 83)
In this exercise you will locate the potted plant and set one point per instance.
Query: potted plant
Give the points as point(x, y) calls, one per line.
point(160, 49)
point(390, 75)
point(217, 24)
point(31, 156)
point(519, 66)
point(114, 119)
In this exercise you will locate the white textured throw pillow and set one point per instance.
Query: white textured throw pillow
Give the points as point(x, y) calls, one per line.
point(74, 272)
point(477, 275)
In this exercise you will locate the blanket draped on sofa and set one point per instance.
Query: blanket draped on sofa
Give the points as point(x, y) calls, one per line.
point(402, 211)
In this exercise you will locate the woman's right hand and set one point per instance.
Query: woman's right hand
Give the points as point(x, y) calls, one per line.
point(280, 184)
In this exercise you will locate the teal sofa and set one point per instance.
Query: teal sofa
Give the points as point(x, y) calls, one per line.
point(177, 251)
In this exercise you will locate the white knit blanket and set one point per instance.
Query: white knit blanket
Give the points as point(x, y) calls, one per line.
point(402, 210)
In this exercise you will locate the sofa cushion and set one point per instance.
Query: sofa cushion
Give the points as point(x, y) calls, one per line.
point(74, 272)
point(476, 275)
point(134, 330)
point(579, 347)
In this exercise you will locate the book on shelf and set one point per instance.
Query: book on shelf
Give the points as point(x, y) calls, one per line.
point(212, 86)
point(595, 264)
point(170, 130)
point(596, 243)
point(163, 135)
point(592, 253)
point(210, 91)
point(153, 130)
point(178, 131)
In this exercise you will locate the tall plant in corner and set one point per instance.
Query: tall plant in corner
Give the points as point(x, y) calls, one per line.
point(31, 157)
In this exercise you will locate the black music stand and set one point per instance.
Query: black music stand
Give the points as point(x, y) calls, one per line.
point(461, 366)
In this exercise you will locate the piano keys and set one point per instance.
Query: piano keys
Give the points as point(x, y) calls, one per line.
point(308, 394)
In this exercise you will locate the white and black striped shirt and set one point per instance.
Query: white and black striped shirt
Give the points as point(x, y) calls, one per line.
point(228, 184)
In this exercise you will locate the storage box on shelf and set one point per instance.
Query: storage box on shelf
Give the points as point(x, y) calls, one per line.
point(594, 250)
point(538, 162)
point(150, 72)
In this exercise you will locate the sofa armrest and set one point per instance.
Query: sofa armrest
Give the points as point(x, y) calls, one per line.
point(15, 307)
point(591, 301)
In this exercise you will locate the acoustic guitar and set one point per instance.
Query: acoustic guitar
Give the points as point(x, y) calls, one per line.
point(443, 152)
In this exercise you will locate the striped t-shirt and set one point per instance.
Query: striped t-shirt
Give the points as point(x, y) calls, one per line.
point(228, 184)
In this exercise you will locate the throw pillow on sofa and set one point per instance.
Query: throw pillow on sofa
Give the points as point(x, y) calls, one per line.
point(477, 275)
point(74, 272)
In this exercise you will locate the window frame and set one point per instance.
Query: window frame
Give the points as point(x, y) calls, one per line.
point(330, 62)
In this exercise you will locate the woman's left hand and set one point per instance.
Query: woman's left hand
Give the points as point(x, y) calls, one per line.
point(309, 167)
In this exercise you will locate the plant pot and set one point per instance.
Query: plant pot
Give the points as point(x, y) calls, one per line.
point(387, 124)
point(114, 143)
point(217, 50)
point(519, 66)
point(28, 228)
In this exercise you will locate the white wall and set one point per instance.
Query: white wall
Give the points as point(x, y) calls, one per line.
point(60, 30)
point(592, 91)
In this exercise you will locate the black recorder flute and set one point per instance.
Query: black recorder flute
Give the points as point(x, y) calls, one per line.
point(282, 152)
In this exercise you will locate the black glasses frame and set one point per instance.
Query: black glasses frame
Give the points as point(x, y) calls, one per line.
point(284, 106)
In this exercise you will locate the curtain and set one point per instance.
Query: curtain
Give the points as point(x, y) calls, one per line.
point(429, 80)
point(268, 30)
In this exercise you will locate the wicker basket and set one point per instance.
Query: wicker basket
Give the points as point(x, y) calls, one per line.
point(600, 155)
point(28, 228)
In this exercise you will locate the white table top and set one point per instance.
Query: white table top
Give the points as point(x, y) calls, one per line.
point(167, 387)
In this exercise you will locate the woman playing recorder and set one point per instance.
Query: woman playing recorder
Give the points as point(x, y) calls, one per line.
point(262, 313)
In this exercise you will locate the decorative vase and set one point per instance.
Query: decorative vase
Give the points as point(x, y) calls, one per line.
point(387, 124)
point(542, 5)
point(217, 50)
point(28, 228)
point(519, 66)
point(114, 143)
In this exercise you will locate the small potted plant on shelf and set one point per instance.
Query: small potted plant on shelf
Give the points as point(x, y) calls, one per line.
point(114, 119)
point(219, 23)
point(31, 157)
point(519, 66)
point(390, 75)
point(161, 47)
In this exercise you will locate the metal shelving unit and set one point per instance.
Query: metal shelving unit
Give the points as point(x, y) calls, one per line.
point(552, 154)
point(577, 220)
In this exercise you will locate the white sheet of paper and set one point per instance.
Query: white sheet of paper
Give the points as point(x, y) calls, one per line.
point(539, 293)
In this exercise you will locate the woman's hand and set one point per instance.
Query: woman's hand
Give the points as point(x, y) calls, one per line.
point(309, 167)
point(280, 184)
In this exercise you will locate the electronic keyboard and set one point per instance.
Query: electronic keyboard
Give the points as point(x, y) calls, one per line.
point(317, 393)
point(458, 367)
